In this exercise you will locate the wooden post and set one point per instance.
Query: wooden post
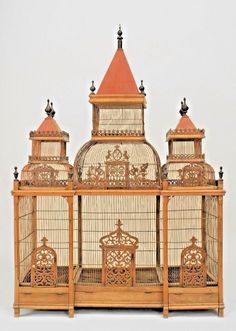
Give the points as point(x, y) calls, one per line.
point(158, 231)
point(203, 223)
point(80, 231)
point(220, 256)
point(71, 262)
point(165, 258)
point(16, 250)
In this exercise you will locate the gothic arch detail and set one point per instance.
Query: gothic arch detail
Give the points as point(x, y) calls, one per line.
point(44, 266)
point(193, 268)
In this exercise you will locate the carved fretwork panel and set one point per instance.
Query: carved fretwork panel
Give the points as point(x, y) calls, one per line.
point(116, 171)
point(44, 266)
point(117, 168)
point(193, 175)
point(118, 262)
point(193, 268)
point(118, 267)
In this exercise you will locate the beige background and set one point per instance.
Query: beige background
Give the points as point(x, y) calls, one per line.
point(53, 49)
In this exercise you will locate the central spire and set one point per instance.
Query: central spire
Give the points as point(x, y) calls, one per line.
point(118, 78)
point(119, 38)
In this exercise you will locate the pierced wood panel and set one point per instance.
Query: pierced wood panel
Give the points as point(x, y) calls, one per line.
point(193, 175)
point(118, 262)
point(44, 266)
point(117, 172)
point(193, 269)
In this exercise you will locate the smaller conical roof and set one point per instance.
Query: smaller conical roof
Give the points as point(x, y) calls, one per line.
point(185, 123)
point(49, 125)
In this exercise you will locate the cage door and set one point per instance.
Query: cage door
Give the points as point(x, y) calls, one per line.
point(118, 258)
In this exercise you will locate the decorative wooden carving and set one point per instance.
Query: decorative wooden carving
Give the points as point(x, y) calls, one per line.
point(117, 167)
point(193, 268)
point(95, 174)
point(117, 172)
point(44, 266)
point(44, 175)
point(118, 262)
point(110, 133)
point(193, 175)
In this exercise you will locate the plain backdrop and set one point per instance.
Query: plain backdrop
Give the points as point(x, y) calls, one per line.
point(53, 49)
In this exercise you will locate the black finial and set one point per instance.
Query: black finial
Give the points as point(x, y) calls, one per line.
point(184, 108)
point(221, 173)
point(48, 108)
point(52, 113)
point(92, 87)
point(15, 173)
point(142, 88)
point(119, 38)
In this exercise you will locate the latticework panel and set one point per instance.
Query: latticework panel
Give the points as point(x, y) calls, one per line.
point(184, 222)
point(120, 119)
point(211, 215)
point(139, 217)
point(50, 148)
point(187, 220)
point(26, 235)
point(53, 223)
point(49, 220)
point(183, 147)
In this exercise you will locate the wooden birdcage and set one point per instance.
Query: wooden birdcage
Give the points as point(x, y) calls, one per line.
point(87, 258)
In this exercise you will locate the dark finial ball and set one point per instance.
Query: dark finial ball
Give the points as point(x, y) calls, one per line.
point(92, 87)
point(119, 31)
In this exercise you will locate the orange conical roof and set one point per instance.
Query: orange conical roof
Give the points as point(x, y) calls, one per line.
point(185, 123)
point(49, 125)
point(118, 78)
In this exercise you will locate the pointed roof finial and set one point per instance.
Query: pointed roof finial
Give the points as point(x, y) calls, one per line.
point(193, 240)
point(48, 108)
point(52, 113)
point(184, 108)
point(16, 173)
point(92, 87)
point(142, 88)
point(44, 240)
point(119, 38)
point(221, 173)
point(119, 224)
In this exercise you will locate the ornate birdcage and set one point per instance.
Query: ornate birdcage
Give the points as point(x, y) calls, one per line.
point(89, 258)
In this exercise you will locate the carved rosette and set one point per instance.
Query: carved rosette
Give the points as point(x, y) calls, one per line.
point(44, 266)
point(118, 250)
point(193, 268)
